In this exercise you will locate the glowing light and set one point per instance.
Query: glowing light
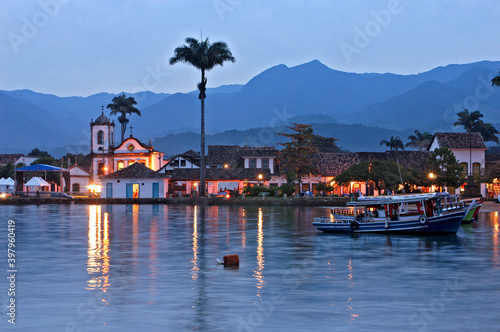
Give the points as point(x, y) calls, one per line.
point(95, 188)
point(105, 168)
point(431, 175)
point(3, 195)
point(226, 166)
point(260, 176)
point(227, 196)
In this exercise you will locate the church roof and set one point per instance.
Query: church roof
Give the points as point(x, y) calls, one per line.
point(134, 171)
point(102, 119)
point(459, 140)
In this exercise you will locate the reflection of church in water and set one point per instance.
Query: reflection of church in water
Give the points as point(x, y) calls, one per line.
point(106, 158)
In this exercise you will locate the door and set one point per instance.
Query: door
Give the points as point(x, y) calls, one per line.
point(156, 189)
point(109, 190)
point(130, 190)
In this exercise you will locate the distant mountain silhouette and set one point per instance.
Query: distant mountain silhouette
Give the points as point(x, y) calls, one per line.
point(309, 92)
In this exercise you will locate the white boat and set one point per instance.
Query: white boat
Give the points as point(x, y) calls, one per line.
point(416, 213)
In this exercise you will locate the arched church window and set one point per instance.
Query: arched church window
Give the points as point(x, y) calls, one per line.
point(100, 137)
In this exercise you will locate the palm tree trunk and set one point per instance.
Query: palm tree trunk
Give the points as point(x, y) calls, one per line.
point(202, 145)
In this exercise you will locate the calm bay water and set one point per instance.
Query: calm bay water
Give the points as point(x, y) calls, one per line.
point(153, 268)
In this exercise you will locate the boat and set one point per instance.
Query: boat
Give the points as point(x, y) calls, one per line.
point(473, 212)
point(430, 213)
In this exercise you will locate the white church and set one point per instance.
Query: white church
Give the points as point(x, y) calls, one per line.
point(107, 159)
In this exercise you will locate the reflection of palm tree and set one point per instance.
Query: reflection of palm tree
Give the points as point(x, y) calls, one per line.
point(204, 56)
point(419, 140)
point(395, 143)
point(201, 303)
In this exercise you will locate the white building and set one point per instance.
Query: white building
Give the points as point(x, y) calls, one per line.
point(80, 180)
point(134, 181)
point(106, 158)
point(469, 150)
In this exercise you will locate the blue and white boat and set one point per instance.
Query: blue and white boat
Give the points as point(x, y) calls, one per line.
point(431, 213)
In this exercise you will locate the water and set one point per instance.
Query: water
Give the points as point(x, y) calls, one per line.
point(153, 268)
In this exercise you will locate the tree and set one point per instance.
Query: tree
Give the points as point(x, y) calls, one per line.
point(489, 132)
point(384, 174)
point(447, 170)
point(123, 106)
point(36, 152)
point(203, 56)
point(395, 143)
point(419, 141)
point(495, 81)
point(470, 121)
point(297, 156)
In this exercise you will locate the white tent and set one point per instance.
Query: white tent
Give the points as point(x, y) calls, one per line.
point(36, 182)
point(9, 183)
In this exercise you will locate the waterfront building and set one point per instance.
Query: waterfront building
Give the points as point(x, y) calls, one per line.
point(469, 150)
point(106, 158)
point(134, 181)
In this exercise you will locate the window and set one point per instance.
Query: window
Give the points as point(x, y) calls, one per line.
point(465, 168)
point(476, 170)
point(76, 187)
point(175, 163)
point(121, 165)
point(183, 163)
point(100, 137)
point(252, 163)
point(100, 168)
point(265, 163)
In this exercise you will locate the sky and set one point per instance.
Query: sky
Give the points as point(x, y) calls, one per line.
point(83, 47)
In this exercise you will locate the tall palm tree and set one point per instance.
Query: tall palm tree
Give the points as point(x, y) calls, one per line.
point(395, 143)
point(470, 121)
point(419, 140)
point(123, 105)
point(203, 56)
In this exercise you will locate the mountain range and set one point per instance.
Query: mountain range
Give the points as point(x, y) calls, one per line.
point(381, 104)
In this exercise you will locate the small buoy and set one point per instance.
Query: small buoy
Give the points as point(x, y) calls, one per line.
point(219, 261)
point(231, 260)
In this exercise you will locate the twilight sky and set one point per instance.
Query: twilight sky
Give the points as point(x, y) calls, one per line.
point(78, 48)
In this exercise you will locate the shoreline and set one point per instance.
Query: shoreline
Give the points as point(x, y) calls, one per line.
point(238, 201)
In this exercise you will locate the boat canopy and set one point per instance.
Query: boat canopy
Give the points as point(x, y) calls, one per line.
point(392, 199)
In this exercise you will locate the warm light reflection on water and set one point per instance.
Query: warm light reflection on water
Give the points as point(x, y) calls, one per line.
point(260, 255)
point(194, 260)
point(98, 259)
point(496, 240)
point(243, 228)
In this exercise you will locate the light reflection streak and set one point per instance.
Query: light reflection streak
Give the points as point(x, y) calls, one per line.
point(98, 259)
point(243, 234)
point(496, 242)
point(260, 255)
point(349, 300)
point(195, 269)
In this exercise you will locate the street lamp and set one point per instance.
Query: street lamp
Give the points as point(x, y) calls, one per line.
point(260, 179)
point(431, 177)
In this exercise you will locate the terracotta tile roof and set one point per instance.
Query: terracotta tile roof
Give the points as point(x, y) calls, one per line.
point(332, 164)
point(134, 171)
point(9, 158)
point(224, 154)
point(459, 140)
point(258, 151)
point(221, 174)
point(492, 157)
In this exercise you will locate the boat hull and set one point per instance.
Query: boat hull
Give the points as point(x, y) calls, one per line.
point(448, 223)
